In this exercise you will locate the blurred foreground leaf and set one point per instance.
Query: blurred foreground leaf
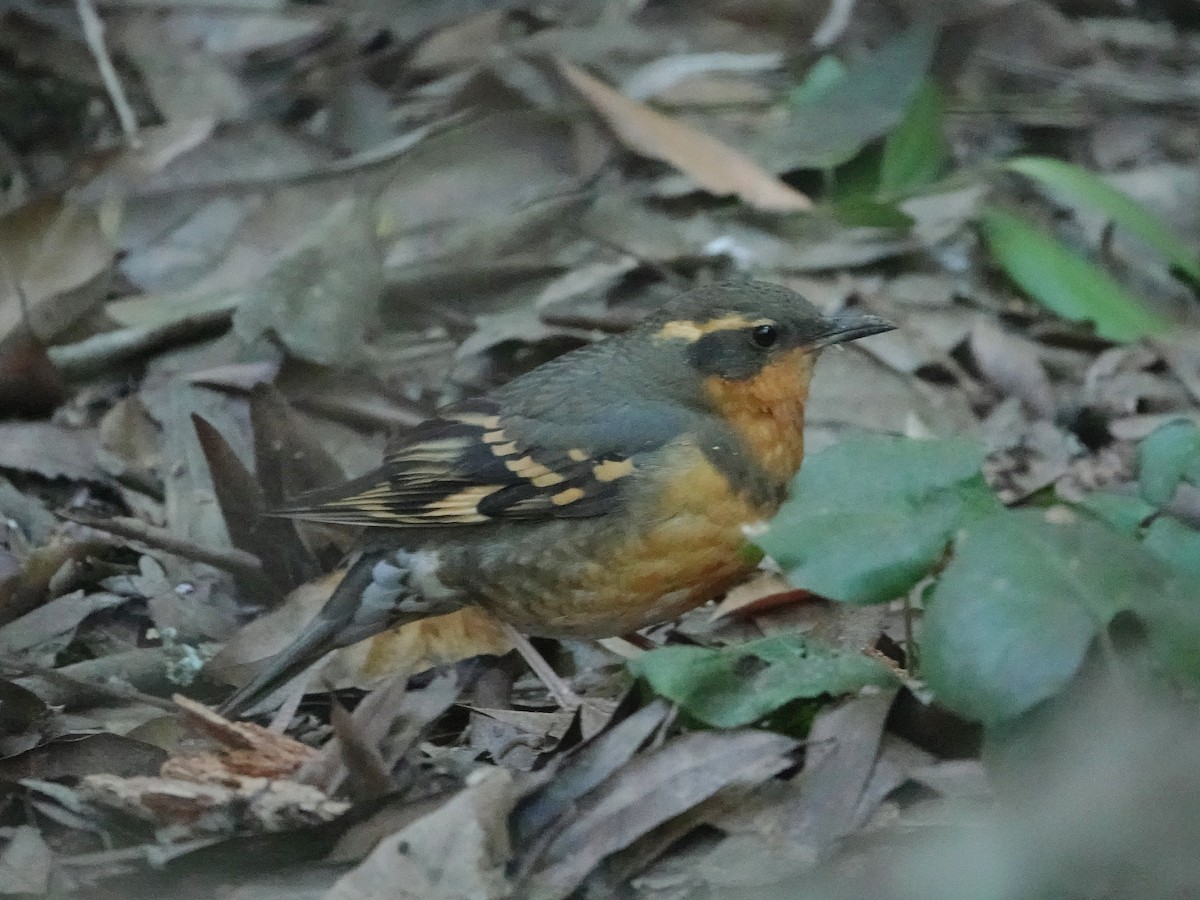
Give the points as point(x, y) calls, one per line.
point(741, 684)
point(1169, 455)
point(1175, 544)
point(871, 516)
point(837, 114)
point(1023, 598)
point(914, 155)
point(1078, 185)
point(1063, 281)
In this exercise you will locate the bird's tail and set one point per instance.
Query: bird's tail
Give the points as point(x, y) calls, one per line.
point(363, 604)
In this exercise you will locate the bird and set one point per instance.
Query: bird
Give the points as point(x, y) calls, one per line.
point(602, 492)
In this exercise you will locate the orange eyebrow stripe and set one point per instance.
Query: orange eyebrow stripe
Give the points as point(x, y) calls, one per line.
point(685, 330)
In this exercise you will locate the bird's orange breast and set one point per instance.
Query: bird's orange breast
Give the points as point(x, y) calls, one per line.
point(682, 545)
point(767, 411)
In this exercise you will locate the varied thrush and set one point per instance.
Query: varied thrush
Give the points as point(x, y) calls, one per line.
point(605, 491)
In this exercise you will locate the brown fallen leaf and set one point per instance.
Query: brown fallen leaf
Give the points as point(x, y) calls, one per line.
point(24, 591)
point(437, 641)
point(1011, 363)
point(49, 450)
point(388, 723)
point(715, 166)
point(77, 756)
point(584, 769)
point(459, 850)
point(30, 384)
point(843, 748)
point(57, 260)
point(764, 592)
point(653, 789)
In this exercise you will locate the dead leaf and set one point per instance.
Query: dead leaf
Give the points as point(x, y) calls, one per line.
point(764, 592)
point(25, 591)
point(322, 293)
point(239, 495)
point(269, 634)
point(49, 450)
point(652, 789)
point(25, 863)
point(1011, 363)
point(842, 748)
point(77, 756)
point(389, 721)
point(460, 850)
point(56, 259)
point(30, 384)
point(584, 769)
point(437, 641)
point(716, 167)
point(516, 739)
point(48, 629)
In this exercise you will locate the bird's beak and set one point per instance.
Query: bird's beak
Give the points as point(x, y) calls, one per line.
point(850, 327)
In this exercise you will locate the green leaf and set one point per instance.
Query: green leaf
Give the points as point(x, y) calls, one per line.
point(1064, 282)
point(1167, 456)
point(829, 127)
point(741, 684)
point(819, 81)
point(1175, 544)
point(914, 155)
point(869, 517)
point(1079, 186)
point(862, 212)
point(1124, 513)
point(1024, 597)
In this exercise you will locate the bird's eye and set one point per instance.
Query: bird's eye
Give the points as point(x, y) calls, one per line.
point(765, 335)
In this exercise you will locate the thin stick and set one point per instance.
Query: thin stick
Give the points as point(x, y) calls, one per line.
point(559, 689)
point(100, 352)
point(234, 561)
point(93, 33)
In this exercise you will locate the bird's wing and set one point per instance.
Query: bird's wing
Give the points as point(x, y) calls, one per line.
point(476, 464)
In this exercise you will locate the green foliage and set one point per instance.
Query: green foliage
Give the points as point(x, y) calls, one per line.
point(1063, 281)
point(871, 516)
point(1024, 597)
point(1124, 513)
point(866, 213)
point(743, 684)
point(839, 109)
point(1175, 544)
point(1169, 456)
point(914, 154)
point(820, 80)
point(1079, 186)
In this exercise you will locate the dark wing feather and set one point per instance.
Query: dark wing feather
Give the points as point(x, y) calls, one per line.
point(474, 465)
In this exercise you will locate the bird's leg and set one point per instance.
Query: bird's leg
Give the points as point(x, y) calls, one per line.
point(559, 689)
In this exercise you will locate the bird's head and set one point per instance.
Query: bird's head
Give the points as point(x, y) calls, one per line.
point(735, 331)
